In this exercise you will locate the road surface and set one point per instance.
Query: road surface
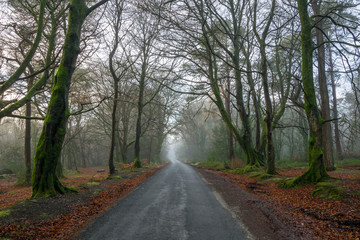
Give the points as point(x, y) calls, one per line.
point(175, 203)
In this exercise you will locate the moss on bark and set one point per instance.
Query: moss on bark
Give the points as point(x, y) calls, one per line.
point(44, 180)
point(137, 163)
point(316, 171)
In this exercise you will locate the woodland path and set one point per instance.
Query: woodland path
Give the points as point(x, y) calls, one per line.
point(176, 203)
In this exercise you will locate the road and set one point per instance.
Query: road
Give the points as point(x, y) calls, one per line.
point(176, 203)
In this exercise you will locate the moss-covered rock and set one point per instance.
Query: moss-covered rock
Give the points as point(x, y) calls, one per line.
point(329, 190)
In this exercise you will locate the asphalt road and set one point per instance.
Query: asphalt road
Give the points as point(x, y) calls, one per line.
point(175, 203)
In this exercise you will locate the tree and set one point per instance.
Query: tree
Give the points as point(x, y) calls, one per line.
point(206, 50)
point(270, 152)
point(116, 24)
point(34, 82)
point(48, 150)
point(150, 71)
point(335, 108)
point(316, 171)
point(324, 92)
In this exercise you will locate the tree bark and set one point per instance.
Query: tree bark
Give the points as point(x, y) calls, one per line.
point(28, 138)
point(48, 151)
point(324, 92)
point(137, 161)
point(114, 119)
point(339, 154)
point(228, 110)
point(113, 127)
point(316, 171)
point(270, 152)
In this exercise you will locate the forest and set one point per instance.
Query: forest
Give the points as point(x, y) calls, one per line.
point(248, 87)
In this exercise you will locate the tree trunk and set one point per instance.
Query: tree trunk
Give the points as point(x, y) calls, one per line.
point(28, 138)
point(48, 151)
point(268, 113)
point(82, 152)
point(255, 101)
point(316, 171)
point(113, 127)
point(252, 157)
point(137, 161)
point(228, 110)
point(114, 119)
point(339, 154)
point(270, 152)
point(244, 140)
point(324, 92)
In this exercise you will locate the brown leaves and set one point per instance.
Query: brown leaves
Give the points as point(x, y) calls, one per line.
point(66, 225)
point(327, 219)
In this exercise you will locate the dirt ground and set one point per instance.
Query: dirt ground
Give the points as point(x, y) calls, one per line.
point(289, 213)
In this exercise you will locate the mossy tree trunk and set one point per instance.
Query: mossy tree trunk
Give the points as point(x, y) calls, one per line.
point(316, 171)
point(324, 92)
point(270, 151)
point(48, 151)
point(244, 140)
point(210, 42)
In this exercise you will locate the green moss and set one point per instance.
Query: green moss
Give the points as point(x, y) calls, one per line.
point(291, 164)
point(74, 188)
point(265, 176)
point(211, 163)
point(137, 163)
point(288, 183)
point(114, 177)
point(329, 190)
point(5, 213)
point(256, 174)
point(236, 171)
point(277, 180)
point(92, 183)
point(254, 171)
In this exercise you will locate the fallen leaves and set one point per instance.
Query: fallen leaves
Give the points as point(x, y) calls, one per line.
point(66, 225)
point(327, 219)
